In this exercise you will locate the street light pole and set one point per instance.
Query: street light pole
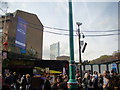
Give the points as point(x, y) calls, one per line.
point(72, 83)
point(79, 36)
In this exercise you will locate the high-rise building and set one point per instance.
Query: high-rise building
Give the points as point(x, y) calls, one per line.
point(22, 33)
point(54, 51)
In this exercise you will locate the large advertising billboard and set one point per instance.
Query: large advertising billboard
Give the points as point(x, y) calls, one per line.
point(21, 33)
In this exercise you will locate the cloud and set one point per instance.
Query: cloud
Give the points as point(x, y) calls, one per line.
point(94, 16)
point(97, 17)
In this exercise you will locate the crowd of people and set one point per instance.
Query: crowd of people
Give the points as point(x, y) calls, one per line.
point(16, 81)
point(90, 81)
point(105, 81)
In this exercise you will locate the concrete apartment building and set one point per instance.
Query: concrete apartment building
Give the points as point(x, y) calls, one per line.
point(33, 35)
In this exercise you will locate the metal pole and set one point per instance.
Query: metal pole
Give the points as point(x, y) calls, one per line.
point(79, 36)
point(80, 53)
point(72, 83)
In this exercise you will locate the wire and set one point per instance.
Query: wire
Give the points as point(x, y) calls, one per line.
point(59, 29)
point(50, 31)
point(102, 35)
point(37, 28)
point(103, 31)
point(75, 35)
point(56, 28)
point(59, 33)
point(82, 31)
point(85, 35)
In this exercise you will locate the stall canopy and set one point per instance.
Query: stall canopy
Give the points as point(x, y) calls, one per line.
point(39, 69)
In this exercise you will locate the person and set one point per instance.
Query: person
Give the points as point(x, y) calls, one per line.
point(95, 80)
point(14, 79)
point(87, 81)
point(37, 82)
point(18, 83)
point(114, 81)
point(100, 82)
point(47, 84)
point(105, 80)
point(27, 81)
point(63, 85)
point(90, 83)
point(8, 79)
point(57, 84)
point(95, 74)
point(79, 79)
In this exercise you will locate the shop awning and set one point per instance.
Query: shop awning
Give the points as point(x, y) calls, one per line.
point(51, 71)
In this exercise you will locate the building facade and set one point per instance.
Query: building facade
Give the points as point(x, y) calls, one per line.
point(54, 50)
point(22, 26)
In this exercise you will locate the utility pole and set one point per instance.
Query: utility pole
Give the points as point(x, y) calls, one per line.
point(72, 83)
point(79, 36)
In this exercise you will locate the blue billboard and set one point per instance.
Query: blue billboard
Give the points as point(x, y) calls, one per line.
point(21, 33)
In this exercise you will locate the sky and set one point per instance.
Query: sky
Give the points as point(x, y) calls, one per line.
point(94, 16)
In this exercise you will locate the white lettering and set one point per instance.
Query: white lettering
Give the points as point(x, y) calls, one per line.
point(20, 43)
point(20, 30)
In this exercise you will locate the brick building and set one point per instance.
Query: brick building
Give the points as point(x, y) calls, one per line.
point(33, 37)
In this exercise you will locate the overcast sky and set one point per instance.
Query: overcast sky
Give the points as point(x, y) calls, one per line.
point(94, 16)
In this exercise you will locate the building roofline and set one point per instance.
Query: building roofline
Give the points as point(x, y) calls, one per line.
point(25, 12)
point(28, 13)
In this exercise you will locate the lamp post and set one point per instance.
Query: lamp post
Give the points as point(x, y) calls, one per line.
point(79, 36)
point(72, 83)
